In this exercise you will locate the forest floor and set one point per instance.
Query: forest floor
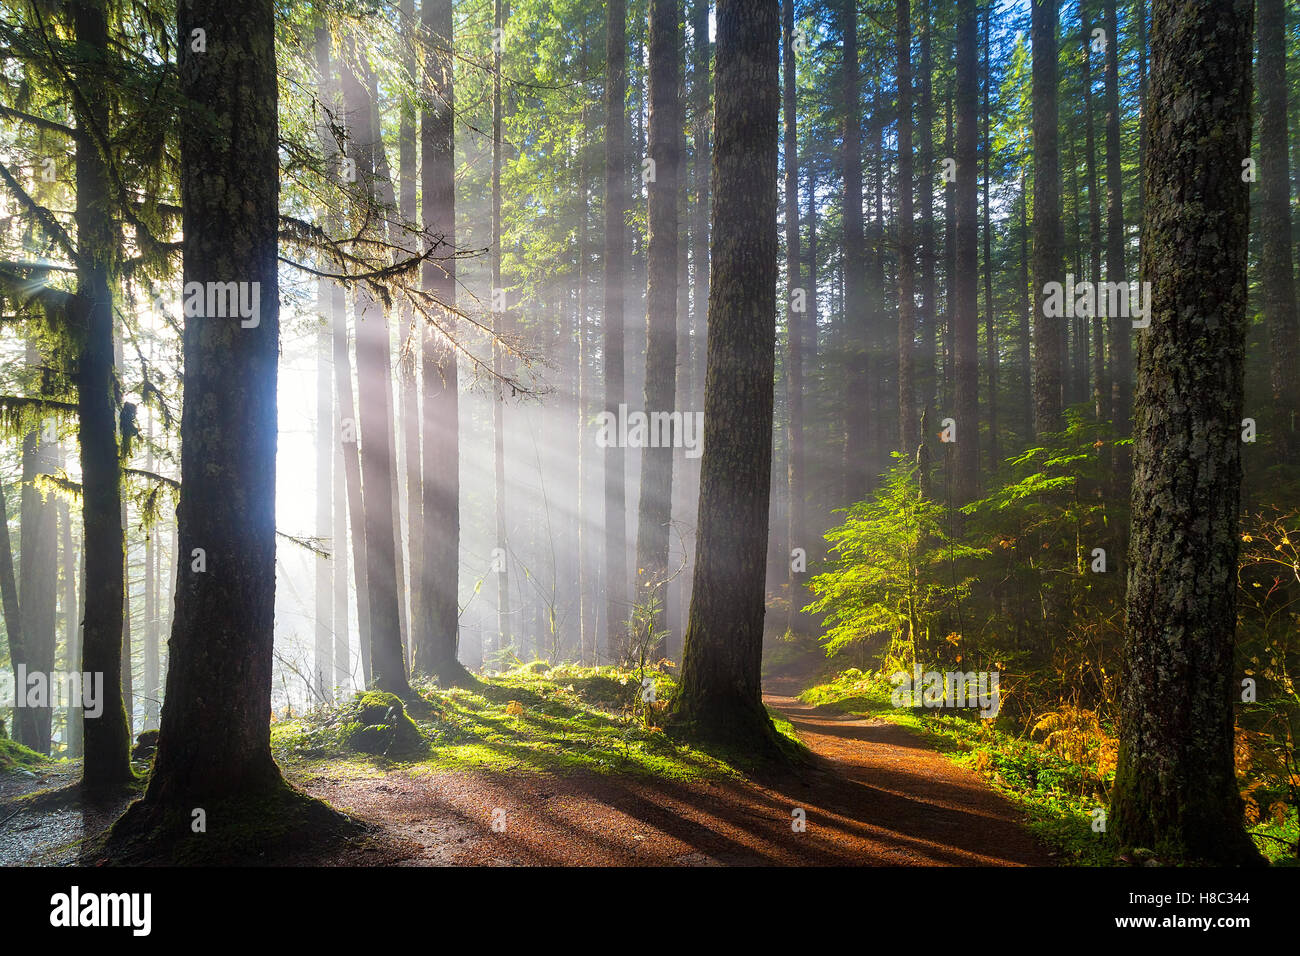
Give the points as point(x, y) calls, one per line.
point(873, 793)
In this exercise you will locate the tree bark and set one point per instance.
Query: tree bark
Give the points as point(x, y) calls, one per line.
point(720, 694)
point(437, 633)
point(1175, 788)
point(616, 603)
point(1048, 236)
point(107, 737)
point(374, 370)
point(965, 282)
point(654, 510)
point(856, 316)
point(1276, 262)
point(219, 674)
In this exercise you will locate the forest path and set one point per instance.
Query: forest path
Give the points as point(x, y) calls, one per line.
point(876, 795)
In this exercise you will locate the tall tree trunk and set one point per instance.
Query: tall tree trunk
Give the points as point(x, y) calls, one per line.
point(990, 308)
point(908, 423)
point(796, 325)
point(1121, 327)
point(1026, 309)
point(324, 564)
point(152, 555)
point(72, 630)
point(857, 319)
point(107, 737)
point(499, 314)
point(24, 723)
point(38, 563)
point(437, 635)
point(1175, 787)
point(720, 694)
point(1101, 385)
point(348, 506)
point(374, 371)
point(410, 338)
point(219, 674)
point(1276, 263)
point(927, 317)
point(616, 603)
point(965, 282)
point(1048, 237)
point(654, 510)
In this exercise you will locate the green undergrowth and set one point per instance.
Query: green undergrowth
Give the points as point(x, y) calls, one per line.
point(1058, 795)
point(533, 718)
point(14, 756)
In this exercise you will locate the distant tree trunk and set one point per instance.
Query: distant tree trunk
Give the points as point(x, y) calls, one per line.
point(1026, 310)
point(324, 644)
point(504, 639)
point(990, 308)
point(701, 95)
point(1048, 237)
point(1121, 327)
point(949, 263)
point(796, 324)
point(927, 318)
point(72, 628)
point(908, 423)
point(1101, 385)
point(587, 591)
point(1276, 263)
point(342, 626)
point(437, 635)
point(856, 317)
point(654, 510)
point(324, 564)
point(411, 334)
point(348, 505)
point(701, 127)
point(720, 695)
point(38, 564)
point(349, 444)
point(374, 371)
point(24, 717)
point(219, 674)
point(682, 499)
point(616, 603)
point(1175, 787)
point(107, 737)
point(965, 282)
point(152, 560)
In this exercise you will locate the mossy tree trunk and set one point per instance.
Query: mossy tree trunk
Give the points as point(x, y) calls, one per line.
point(214, 738)
point(720, 696)
point(1175, 788)
point(106, 738)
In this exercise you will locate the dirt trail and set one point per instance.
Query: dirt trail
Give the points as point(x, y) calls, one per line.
point(876, 796)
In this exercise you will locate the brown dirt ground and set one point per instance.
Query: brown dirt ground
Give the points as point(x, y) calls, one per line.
point(876, 796)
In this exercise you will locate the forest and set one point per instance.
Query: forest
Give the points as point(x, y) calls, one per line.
point(649, 432)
